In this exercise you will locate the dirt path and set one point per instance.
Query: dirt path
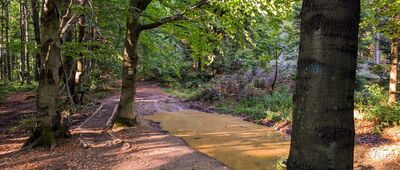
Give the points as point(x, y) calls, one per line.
point(14, 108)
point(142, 147)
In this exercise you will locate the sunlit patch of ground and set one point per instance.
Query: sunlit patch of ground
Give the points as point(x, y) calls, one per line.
point(384, 152)
point(236, 143)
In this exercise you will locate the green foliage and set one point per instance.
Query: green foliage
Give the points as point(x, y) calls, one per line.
point(380, 69)
point(28, 123)
point(373, 103)
point(280, 164)
point(185, 92)
point(234, 35)
point(276, 107)
point(15, 87)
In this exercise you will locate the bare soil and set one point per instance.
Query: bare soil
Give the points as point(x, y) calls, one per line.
point(145, 146)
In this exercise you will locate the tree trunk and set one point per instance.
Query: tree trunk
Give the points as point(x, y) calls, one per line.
point(23, 41)
point(8, 47)
point(127, 101)
point(393, 71)
point(36, 28)
point(27, 54)
point(377, 48)
point(3, 59)
point(80, 67)
point(68, 72)
point(275, 71)
point(323, 119)
point(49, 127)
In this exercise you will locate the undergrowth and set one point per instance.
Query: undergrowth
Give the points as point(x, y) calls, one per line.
point(372, 102)
point(15, 87)
point(184, 92)
point(276, 107)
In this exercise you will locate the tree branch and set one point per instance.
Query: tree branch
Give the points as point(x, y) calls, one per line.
point(175, 17)
point(70, 19)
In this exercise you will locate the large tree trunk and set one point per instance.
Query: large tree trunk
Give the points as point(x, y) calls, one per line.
point(128, 91)
point(127, 101)
point(49, 118)
point(393, 71)
point(36, 28)
point(323, 120)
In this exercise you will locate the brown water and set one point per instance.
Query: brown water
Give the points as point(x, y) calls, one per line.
point(238, 144)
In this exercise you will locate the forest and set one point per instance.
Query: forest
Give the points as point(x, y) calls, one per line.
point(200, 84)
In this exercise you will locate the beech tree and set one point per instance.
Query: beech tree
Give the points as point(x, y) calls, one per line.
point(47, 96)
point(323, 120)
point(139, 21)
point(136, 8)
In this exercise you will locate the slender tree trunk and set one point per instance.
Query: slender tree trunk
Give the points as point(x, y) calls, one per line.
point(377, 48)
point(49, 127)
point(3, 67)
point(127, 101)
point(8, 47)
point(27, 54)
point(36, 28)
point(80, 67)
point(275, 71)
point(23, 41)
point(393, 71)
point(69, 70)
point(323, 119)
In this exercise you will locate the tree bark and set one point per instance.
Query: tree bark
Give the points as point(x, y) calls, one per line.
point(23, 41)
point(128, 90)
point(8, 47)
point(36, 28)
point(80, 67)
point(393, 71)
point(27, 50)
point(323, 119)
point(3, 60)
point(49, 126)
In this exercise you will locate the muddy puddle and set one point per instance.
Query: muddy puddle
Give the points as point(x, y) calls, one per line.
point(238, 144)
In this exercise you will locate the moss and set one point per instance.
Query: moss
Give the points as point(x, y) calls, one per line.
point(124, 122)
point(46, 137)
point(42, 136)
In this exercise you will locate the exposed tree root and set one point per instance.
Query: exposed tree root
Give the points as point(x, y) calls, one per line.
point(46, 137)
point(124, 122)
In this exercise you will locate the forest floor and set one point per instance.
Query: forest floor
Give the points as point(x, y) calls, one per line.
point(146, 146)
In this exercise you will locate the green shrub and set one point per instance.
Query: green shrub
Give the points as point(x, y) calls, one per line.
point(373, 103)
point(276, 107)
point(185, 92)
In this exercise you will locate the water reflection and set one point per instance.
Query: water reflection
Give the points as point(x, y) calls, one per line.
point(236, 143)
